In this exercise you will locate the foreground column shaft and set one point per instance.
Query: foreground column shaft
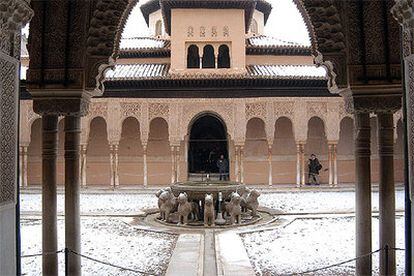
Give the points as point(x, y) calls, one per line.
point(145, 166)
point(386, 192)
point(330, 164)
point(49, 216)
point(363, 193)
point(72, 197)
point(298, 162)
point(270, 166)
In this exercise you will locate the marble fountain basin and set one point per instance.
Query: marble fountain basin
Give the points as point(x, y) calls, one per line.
point(197, 190)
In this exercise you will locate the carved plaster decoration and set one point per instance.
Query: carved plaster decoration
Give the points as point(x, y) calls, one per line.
point(15, 14)
point(131, 110)
point(409, 76)
point(190, 31)
point(159, 110)
point(226, 31)
point(330, 72)
point(214, 31)
point(317, 109)
point(256, 110)
point(404, 14)
point(371, 104)
point(9, 84)
point(283, 109)
point(202, 31)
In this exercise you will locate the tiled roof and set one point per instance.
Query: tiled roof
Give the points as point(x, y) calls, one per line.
point(268, 41)
point(128, 72)
point(143, 43)
point(286, 71)
point(138, 72)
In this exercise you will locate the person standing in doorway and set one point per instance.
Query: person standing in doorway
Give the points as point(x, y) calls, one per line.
point(222, 165)
point(314, 167)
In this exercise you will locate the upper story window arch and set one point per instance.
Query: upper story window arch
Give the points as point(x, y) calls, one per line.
point(158, 28)
point(193, 57)
point(223, 56)
point(209, 60)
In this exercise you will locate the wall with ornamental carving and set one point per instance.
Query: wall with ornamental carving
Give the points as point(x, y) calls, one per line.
point(155, 125)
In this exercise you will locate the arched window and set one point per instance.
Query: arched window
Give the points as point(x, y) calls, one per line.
point(158, 28)
point(193, 58)
point(224, 57)
point(254, 27)
point(208, 57)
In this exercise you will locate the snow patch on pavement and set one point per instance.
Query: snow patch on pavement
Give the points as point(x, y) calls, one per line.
point(106, 239)
point(311, 243)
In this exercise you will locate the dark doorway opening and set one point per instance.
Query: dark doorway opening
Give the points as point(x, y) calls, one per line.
point(208, 140)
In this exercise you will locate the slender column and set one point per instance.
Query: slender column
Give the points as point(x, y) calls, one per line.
point(23, 166)
point(236, 165)
point(216, 62)
point(145, 166)
point(270, 165)
point(302, 159)
point(386, 192)
point(201, 62)
point(241, 164)
point(116, 164)
point(83, 165)
point(172, 164)
point(112, 168)
point(49, 209)
point(72, 195)
point(330, 164)
point(177, 163)
point(363, 193)
point(298, 165)
point(335, 164)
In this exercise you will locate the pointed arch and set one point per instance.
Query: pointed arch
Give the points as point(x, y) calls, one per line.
point(193, 57)
point(209, 57)
point(224, 56)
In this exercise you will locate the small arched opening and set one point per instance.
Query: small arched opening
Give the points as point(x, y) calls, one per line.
point(224, 57)
point(158, 28)
point(208, 57)
point(193, 57)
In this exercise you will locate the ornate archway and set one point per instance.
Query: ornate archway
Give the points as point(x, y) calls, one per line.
point(208, 141)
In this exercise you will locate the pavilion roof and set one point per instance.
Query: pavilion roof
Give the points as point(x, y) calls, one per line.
point(166, 5)
point(136, 72)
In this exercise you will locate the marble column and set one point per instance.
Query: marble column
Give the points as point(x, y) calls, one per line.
point(363, 193)
point(302, 161)
point(236, 165)
point(177, 163)
point(335, 164)
point(241, 164)
point(270, 165)
point(145, 165)
point(113, 159)
point(49, 206)
point(298, 165)
point(23, 166)
point(72, 194)
point(386, 192)
point(330, 164)
point(83, 165)
point(172, 164)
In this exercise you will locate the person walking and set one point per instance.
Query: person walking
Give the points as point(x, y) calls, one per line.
point(222, 165)
point(314, 167)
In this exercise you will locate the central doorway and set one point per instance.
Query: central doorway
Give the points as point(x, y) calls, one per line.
point(208, 140)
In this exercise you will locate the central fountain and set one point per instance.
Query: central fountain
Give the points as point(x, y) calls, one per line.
point(208, 203)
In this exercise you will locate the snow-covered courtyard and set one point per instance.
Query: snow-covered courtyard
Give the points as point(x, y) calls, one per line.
point(107, 239)
point(316, 229)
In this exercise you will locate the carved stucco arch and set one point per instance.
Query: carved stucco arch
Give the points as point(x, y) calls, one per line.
point(316, 53)
point(264, 125)
point(287, 116)
point(86, 127)
point(323, 122)
point(191, 116)
point(104, 35)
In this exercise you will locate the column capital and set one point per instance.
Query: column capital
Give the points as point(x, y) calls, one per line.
point(333, 142)
point(62, 103)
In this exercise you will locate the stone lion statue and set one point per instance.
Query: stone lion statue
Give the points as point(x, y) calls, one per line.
point(244, 193)
point(233, 208)
point(209, 213)
point(252, 202)
point(185, 208)
point(167, 203)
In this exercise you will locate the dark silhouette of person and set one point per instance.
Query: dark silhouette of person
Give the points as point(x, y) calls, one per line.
point(222, 165)
point(314, 167)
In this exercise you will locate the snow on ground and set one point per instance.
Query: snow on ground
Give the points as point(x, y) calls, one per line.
point(106, 239)
point(320, 202)
point(290, 202)
point(311, 243)
point(96, 203)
